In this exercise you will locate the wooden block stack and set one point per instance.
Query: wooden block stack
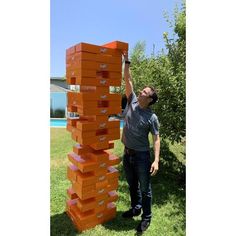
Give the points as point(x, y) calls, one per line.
point(91, 172)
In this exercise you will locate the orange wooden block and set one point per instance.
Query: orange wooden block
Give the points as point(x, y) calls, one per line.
point(101, 205)
point(93, 65)
point(71, 108)
point(100, 177)
point(86, 47)
point(72, 98)
point(98, 111)
point(93, 81)
point(102, 184)
point(87, 138)
point(84, 192)
point(77, 72)
point(113, 181)
point(70, 203)
point(69, 127)
point(109, 59)
point(86, 205)
point(112, 173)
point(84, 179)
point(100, 173)
point(99, 156)
point(81, 149)
point(99, 96)
point(117, 45)
point(101, 189)
point(100, 146)
point(84, 165)
point(71, 194)
point(93, 104)
point(86, 56)
point(84, 149)
point(90, 191)
point(112, 186)
point(109, 75)
point(98, 89)
point(103, 144)
point(77, 224)
point(91, 125)
point(84, 217)
point(75, 98)
point(113, 160)
point(92, 204)
point(71, 173)
point(72, 121)
point(95, 146)
point(70, 51)
point(112, 196)
point(104, 118)
point(90, 218)
point(81, 76)
point(110, 212)
point(94, 134)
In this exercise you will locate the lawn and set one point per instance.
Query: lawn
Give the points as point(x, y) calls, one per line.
point(168, 194)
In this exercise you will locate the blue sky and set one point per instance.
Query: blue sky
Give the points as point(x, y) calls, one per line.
point(103, 21)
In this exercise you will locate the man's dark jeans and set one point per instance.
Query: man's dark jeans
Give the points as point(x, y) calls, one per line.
point(137, 166)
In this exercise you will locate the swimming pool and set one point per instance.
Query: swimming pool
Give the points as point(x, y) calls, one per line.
point(62, 123)
point(58, 123)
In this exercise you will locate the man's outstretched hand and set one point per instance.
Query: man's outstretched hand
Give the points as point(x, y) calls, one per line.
point(125, 55)
point(154, 168)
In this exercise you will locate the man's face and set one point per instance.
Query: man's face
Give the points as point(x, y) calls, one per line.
point(144, 96)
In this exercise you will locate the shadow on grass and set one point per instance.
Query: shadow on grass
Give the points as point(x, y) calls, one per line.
point(61, 225)
point(170, 179)
point(121, 224)
point(167, 185)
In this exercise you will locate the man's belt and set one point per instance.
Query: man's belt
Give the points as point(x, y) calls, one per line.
point(129, 151)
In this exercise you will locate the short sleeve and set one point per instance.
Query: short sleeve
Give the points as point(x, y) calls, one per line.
point(154, 125)
point(131, 99)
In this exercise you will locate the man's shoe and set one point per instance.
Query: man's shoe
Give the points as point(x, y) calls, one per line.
point(143, 225)
point(131, 212)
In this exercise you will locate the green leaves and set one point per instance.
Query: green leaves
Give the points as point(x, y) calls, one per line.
point(166, 72)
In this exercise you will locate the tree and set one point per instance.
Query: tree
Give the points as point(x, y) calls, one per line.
point(166, 72)
point(172, 84)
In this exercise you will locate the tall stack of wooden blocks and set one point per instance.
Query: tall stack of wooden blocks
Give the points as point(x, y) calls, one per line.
point(91, 172)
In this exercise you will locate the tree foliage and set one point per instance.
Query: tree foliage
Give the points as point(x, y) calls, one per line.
point(166, 72)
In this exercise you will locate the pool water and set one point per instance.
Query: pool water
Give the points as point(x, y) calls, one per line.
point(58, 123)
point(62, 123)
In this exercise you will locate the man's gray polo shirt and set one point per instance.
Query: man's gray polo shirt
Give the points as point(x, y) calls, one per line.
point(137, 125)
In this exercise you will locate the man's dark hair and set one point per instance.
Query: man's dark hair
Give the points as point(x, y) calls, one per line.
point(154, 95)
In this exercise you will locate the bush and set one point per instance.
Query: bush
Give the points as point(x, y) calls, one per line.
point(51, 112)
point(59, 113)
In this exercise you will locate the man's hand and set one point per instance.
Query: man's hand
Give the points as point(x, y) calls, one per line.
point(125, 55)
point(154, 168)
point(127, 76)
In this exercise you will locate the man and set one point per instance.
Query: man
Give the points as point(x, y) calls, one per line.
point(139, 120)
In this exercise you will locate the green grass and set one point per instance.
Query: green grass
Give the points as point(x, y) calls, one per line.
point(168, 194)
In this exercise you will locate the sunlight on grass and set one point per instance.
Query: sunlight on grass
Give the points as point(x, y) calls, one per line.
point(168, 198)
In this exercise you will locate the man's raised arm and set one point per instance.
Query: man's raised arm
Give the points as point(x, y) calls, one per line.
point(127, 76)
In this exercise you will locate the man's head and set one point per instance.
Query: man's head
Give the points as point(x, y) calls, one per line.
point(147, 96)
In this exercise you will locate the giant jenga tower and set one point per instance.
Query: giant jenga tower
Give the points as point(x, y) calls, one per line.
point(91, 172)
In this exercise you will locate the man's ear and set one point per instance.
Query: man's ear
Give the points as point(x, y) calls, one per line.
point(150, 99)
